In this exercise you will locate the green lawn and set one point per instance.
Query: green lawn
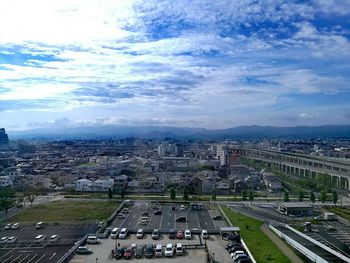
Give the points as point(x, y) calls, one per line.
point(259, 244)
point(67, 211)
point(341, 211)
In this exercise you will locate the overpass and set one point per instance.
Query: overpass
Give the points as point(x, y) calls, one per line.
point(303, 165)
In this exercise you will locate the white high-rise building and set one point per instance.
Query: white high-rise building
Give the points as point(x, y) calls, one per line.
point(222, 154)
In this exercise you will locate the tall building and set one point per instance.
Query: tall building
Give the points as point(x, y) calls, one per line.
point(4, 139)
point(167, 149)
point(222, 154)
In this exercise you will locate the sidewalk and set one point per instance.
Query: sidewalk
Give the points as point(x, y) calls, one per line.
point(280, 244)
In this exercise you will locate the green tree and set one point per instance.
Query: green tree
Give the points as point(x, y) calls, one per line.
point(213, 196)
point(301, 196)
point(110, 194)
point(286, 196)
point(335, 197)
point(185, 196)
point(7, 199)
point(244, 195)
point(323, 197)
point(312, 197)
point(251, 196)
point(172, 194)
point(30, 195)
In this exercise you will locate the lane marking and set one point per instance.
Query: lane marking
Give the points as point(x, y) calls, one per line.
point(16, 258)
point(40, 258)
point(6, 253)
point(9, 258)
point(53, 255)
point(32, 258)
point(24, 258)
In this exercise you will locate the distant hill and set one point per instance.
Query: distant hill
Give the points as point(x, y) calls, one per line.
point(241, 132)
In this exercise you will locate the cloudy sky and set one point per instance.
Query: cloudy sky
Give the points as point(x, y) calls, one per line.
point(204, 63)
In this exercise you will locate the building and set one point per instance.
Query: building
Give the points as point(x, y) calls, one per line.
point(5, 181)
point(120, 183)
point(295, 209)
point(167, 149)
point(4, 139)
point(222, 154)
point(83, 185)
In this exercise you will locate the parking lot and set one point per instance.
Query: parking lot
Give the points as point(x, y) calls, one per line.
point(25, 249)
point(169, 218)
point(102, 252)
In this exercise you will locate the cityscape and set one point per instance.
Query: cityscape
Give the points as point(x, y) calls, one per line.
point(181, 131)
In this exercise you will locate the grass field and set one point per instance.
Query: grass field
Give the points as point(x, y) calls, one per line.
point(341, 211)
point(67, 211)
point(259, 244)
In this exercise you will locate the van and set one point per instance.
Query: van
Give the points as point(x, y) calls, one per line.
point(205, 234)
point(92, 240)
point(114, 233)
point(159, 250)
point(39, 239)
point(123, 233)
point(149, 250)
point(39, 225)
point(179, 249)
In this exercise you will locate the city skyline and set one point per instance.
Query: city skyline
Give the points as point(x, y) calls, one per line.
point(205, 64)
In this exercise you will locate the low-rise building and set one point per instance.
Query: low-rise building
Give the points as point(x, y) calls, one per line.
point(295, 209)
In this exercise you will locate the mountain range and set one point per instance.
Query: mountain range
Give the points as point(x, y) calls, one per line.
point(241, 132)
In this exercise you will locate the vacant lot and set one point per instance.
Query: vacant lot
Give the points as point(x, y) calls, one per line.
point(67, 211)
point(259, 244)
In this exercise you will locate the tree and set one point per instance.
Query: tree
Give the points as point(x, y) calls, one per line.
point(312, 197)
point(213, 196)
point(244, 195)
point(185, 196)
point(335, 197)
point(251, 196)
point(172, 193)
point(286, 196)
point(30, 195)
point(301, 196)
point(323, 197)
point(122, 194)
point(110, 194)
point(7, 199)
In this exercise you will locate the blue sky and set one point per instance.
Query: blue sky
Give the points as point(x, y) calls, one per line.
point(213, 64)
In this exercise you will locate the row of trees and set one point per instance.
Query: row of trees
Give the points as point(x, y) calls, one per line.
point(312, 197)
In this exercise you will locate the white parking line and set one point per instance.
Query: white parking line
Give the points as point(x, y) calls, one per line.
point(16, 258)
point(22, 260)
point(32, 258)
point(6, 254)
point(53, 255)
point(40, 258)
point(199, 226)
point(161, 221)
point(9, 258)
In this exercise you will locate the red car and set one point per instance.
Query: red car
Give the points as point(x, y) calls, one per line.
point(128, 253)
point(180, 234)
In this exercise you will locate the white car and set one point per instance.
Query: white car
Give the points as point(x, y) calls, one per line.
point(179, 249)
point(54, 238)
point(169, 250)
point(8, 226)
point(15, 226)
point(204, 234)
point(123, 233)
point(234, 254)
point(139, 233)
point(92, 240)
point(121, 216)
point(188, 234)
point(114, 233)
point(3, 240)
point(159, 250)
point(39, 239)
point(11, 240)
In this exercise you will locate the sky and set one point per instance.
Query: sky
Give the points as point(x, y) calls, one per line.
point(185, 63)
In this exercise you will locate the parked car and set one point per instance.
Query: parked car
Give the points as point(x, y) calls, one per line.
point(149, 250)
point(157, 213)
point(172, 234)
point(239, 257)
point(119, 252)
point(114, 233)
point(128, 253)
point(93, 240)
point(39, 239)
point(125, 210)
point(155, 234)
point(188, 234)
point(182, 208)
point(169, 250)
point(8, 226)
point(204, 234)
point(121, 216)
point(180, 234)
point(139, 251)
point(218, 217)
point(11, 240)
point(236, 248)
point(139, 233)
point(159, 250)
point(234, 254)
point(84, 250)
point(243, 260)
point(3, 240)
point(179, 249)
point(123, 233)
point(100, 224)
point(39, 225)
point(15, 226)
point(54, 238)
